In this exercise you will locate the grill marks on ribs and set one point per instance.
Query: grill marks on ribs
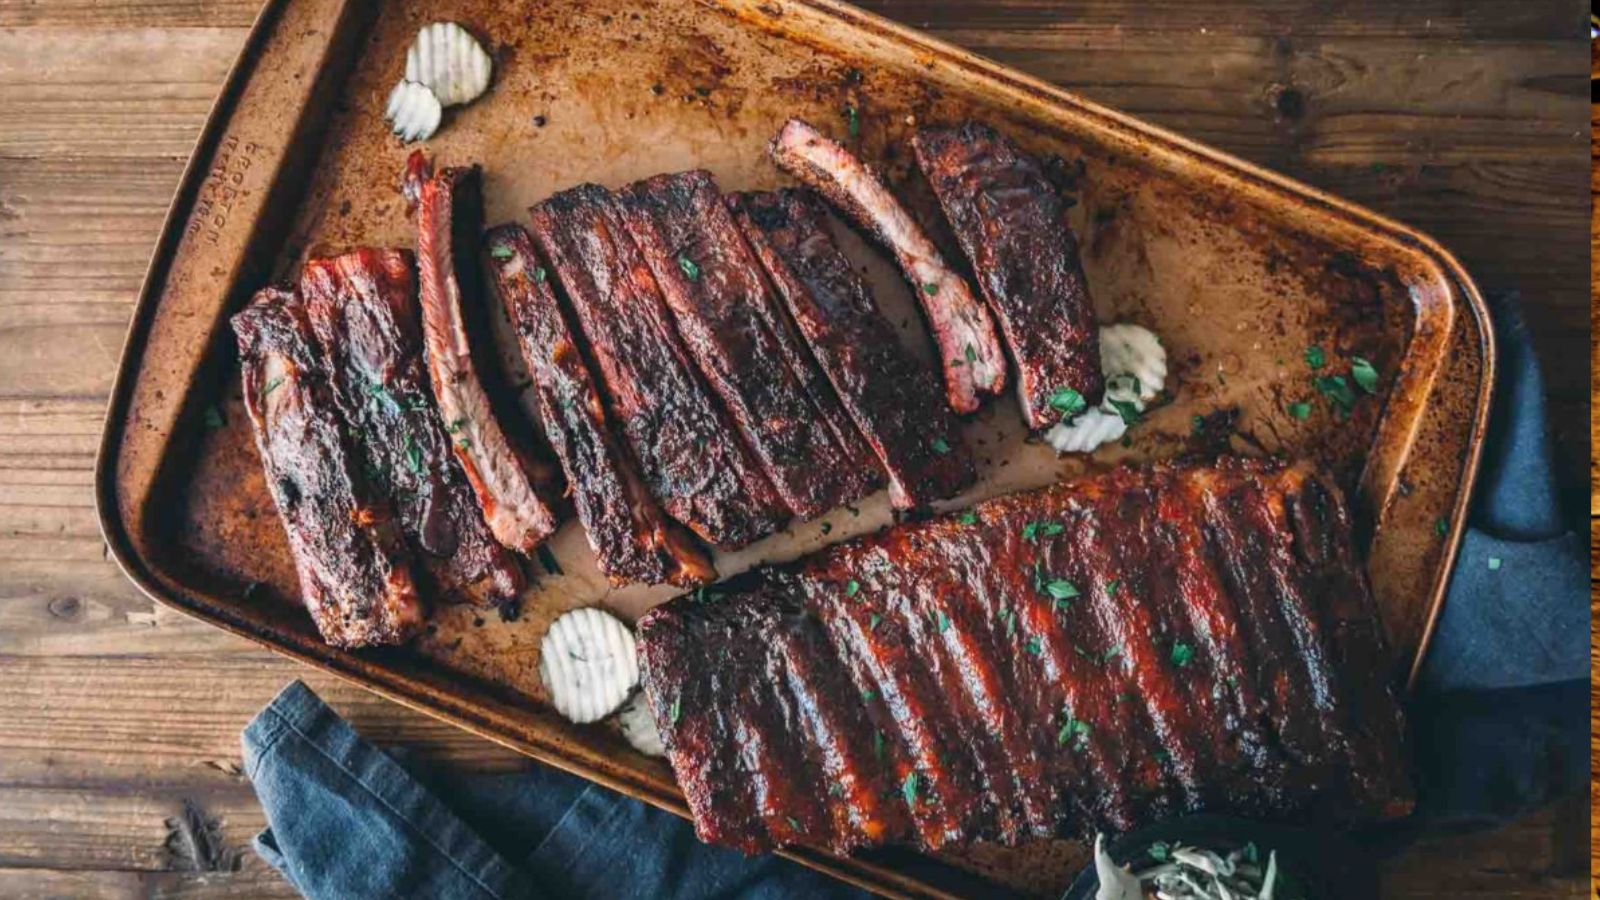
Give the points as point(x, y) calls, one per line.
point(1091, 655)
point(686, 449)
point(362, 308)
point(351, 559)
point(514, 490)
point(969, 349)
point(633, 539)
point(739, 337)
point(1012, 226)
point(891, 396)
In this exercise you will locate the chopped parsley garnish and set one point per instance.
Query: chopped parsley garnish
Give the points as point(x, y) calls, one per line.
point(1032, 531)
point(1127, 409)
point(1441, 526)
point(676, 711)
point(540, 275)
point(455, 425)
point(1061, 589)
point(877, 745)
point(1182, 654)
point(413, 456)
point(1067, 402)
point(1315, 358)
point(1337, 390)
point(1299, 410)
point(1197, 424)
point(1364, 375)
point(827, 527)
point(793, 825)
point(873, 625)
point(1159, 851)
point(1073, 728)
point(1034, 646)
point(501, 251)
point(1494, 563)
point(1112, 585)
point(1010, 617)
point(930, 288)
point(869, 695)
point(1161, 754)
point(690, 270)
point(941, 622)
point(213, 418)
point(909, 789)
point(852, 587)
point(464, 443)
point(852, 120)
point(272, 385)
point(1111, 654)
point(1250, 853)
point(971, 354)
point(940, 446)
point(968, 518)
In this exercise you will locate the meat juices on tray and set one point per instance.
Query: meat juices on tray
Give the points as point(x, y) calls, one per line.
point(363, 310)
point(1094, 655)
point(889, 394)
point(969, 350)
point(1012, 226)
point(355, 575)
point(516, 492)
point(687, 450)
point(740, 338)
point(633, 539)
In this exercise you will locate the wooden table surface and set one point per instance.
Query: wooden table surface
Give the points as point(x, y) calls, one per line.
point(119, 720)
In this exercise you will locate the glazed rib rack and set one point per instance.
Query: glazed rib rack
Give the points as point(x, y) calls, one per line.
point(1089, 656)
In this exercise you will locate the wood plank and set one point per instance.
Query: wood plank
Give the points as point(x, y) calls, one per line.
point(166, 13)
point(255, 879)
point(110, 92)
point(1540, 856)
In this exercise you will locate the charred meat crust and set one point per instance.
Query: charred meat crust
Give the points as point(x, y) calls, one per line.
point(738, 335)
point(633, 540)
point(890, 395)
point(517, 493)
point(964, 335)
point(355, 577)
point(1040, 672)
point(362, 308)
point(687, 450)
point(1012, 226)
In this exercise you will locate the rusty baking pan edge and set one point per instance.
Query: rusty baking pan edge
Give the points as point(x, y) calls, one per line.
point(443, 707)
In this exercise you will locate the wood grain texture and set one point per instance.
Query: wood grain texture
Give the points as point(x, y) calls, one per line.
point(1464, 118)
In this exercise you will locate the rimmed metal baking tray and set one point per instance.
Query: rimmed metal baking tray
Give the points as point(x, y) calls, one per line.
point(1240, 270)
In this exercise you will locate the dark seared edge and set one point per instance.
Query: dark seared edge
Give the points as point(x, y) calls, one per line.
point(633, 540)
point(892, 397)
point(1078, 658)
point(518, 493)
point(355, 578)
point(738, 335)
point(363, 310)
point(1012, 225)
point(963, 332)
point(686, 448)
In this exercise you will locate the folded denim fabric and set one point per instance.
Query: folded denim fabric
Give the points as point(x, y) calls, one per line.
point(1500, 725)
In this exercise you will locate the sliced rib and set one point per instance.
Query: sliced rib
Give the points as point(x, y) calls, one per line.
point(1012, 226)
point(969, 349)
point(892, 397)
point(355, 578)
point(688, 451)
point(513, 490)
point(363, 309)
point(1038, 671)
point(740, 338)
point(633, 539)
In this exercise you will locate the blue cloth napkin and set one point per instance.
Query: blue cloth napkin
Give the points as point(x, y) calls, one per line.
point(1501, 722)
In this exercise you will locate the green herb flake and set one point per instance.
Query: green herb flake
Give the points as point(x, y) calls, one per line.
point(930, 288)
point(501, 251)
point(413, 456)
point(1111, 654)
point(1299, 410)
point(1197, 424)
point(272, 385)
point(455, 425)
point(1032, 531)
point(852, 588)
point(1494, 563)
point(827, 527)
point(1315, 358)
point(690, 270)
point(793, 824)
point(1112, 585)
point(1011, 622)
point(1441, 526)
point(464, 443)
point(876, 620)
point(1061, 589)
point(968, 518)
point(1159, 851)
point(852, 120)
point(676, 712)
point(942, 622)
point(1034, 646)
point(540, 275)
point(1067, 402)
point(1337, 390)
point(940, 446)
point(869, 695)
point(909, 788)
point(213, 418)
point(972, 354)
point(1128, 410)
point(1182, 654)
point(1250, 853)
point(1364, 375)
point(1161, 754)
point(878, 749)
